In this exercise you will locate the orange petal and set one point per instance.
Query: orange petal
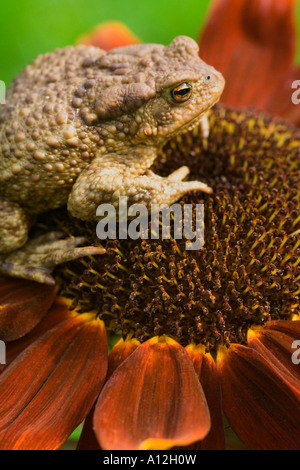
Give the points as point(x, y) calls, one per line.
point(49, 389)
point(153, 400)
point(277, 348)
point(22, 306)
point(291, 328)
point(109, 35)
point(118, 354)
point(261, 408)
point(207, 372)
point(252, 42)
point(58, 313)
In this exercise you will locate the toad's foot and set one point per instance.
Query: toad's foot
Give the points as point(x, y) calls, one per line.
point(177, 175)
point(37, 258)
point(106, 180)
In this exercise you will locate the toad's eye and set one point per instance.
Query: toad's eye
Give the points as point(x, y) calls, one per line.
point(181, 92)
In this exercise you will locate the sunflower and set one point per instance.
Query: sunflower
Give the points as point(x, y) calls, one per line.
point(203, 332)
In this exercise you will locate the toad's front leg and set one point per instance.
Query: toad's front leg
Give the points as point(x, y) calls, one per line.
point(107, 179)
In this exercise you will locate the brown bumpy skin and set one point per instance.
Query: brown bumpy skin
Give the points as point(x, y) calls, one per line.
point(82, 126)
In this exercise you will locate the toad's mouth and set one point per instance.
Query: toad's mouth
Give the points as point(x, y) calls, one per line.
point(190, 125)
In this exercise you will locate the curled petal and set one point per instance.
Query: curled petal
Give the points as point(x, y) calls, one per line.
point(252, 42)
point(261, 408)
point(153, 400)
point(22, 306)
point(109, 35)
point(50, 387)
point(207, 372)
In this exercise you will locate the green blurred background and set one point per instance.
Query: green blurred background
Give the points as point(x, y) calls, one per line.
point(30, 27)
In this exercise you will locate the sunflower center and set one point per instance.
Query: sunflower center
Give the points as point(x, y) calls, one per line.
point(248, 271)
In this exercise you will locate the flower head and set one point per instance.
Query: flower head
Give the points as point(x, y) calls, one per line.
point(245, 273)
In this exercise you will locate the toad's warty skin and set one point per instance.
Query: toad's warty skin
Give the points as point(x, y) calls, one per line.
point(82, 126)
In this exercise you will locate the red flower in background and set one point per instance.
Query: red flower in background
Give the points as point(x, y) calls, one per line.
point(158, 393)
point(253, 43)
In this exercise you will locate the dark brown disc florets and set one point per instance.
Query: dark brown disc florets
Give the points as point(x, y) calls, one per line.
point(248, 271)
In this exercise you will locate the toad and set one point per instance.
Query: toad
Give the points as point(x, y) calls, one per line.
point(82, 127)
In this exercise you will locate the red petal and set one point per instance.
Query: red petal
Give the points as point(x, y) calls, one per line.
point(261, 408)
point(109, 35)
point(291, 328)
point(252, 42)
point(22, 306)
point(277, 348)
point(207, 372)
point(58, 313)
point(119, 353)
point(49, 389)
point(153, 400)
point(280, 103)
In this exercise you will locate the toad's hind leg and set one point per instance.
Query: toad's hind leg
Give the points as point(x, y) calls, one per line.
point(35, 259)
point(14, 226)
